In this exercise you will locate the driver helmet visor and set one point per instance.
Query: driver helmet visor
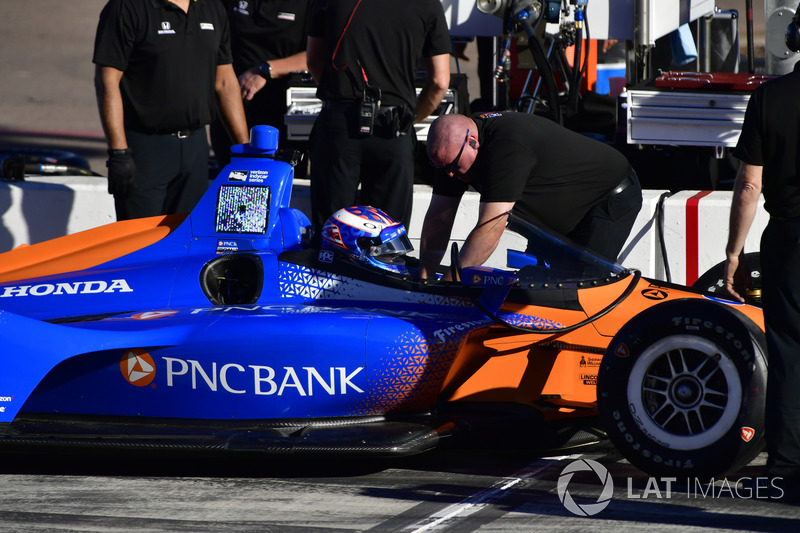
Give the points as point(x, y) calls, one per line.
point(393, 241)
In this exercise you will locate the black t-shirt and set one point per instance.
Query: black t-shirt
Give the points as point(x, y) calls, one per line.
point(169, 59)
point(770, 137)
point(385, 39)
point(262, 30)
point(554, 175)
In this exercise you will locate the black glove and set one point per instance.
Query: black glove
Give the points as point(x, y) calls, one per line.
point(121, 173)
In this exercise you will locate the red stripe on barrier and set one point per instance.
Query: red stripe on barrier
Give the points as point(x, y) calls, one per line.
point(693, 236)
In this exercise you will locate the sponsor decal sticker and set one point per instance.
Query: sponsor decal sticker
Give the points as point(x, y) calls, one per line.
point(237, 175)
point(57, 289)
point(747, 433)
point(655, 294)
point(137, 367)
point(153, 314)
point(622, 350)
point(234, 378)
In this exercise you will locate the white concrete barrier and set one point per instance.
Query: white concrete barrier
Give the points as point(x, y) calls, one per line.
point(43, 208)
point(694, 232)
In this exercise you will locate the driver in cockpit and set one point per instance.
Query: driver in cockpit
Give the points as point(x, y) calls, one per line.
point(368, 235)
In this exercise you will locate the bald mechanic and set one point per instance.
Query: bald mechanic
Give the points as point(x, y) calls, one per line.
point(564, 181)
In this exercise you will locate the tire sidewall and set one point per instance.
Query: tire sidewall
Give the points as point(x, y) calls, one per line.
point(737, 336)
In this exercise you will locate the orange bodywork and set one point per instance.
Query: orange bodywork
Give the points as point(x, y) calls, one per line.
point(86, 249)
point(556, 373)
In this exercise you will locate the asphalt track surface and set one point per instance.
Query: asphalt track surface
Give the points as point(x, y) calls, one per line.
point(47, 99)
point(454, 489)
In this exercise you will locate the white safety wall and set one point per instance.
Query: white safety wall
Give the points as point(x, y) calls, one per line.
point(694, 229)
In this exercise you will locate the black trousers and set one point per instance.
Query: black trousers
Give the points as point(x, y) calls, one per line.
point(171, 174)
point(341, 160)
point(780, 268)
point(606, 226)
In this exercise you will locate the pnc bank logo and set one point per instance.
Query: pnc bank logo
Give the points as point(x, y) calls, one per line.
point(138, 367)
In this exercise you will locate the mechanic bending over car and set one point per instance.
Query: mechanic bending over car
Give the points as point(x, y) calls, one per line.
point(163, 69)
point(768, 149)
point(567, 182)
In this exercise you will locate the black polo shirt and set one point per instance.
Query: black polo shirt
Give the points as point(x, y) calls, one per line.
point(770, 139)
point(262, 30)
point(169, 59)
point(554, 174)
point(386, 39)
point(266, 29)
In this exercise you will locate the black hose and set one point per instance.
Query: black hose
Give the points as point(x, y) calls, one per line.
point(660, 231)
point(545, 71)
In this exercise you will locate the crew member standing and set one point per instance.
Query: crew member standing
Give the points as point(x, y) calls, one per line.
point(565, 181)
point(364, 56)
point(268, 42)
point(769, 151)
point(162, 70)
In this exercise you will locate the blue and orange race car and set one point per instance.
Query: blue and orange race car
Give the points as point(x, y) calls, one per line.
point(227, 328)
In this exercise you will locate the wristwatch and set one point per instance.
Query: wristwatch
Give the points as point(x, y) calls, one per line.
point(265, 69)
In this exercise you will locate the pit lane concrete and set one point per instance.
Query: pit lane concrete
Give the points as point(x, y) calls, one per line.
point(454, 489)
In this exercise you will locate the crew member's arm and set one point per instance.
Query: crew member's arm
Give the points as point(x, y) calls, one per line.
point(436, 233)
point(251, 81)
point(230, 104)
point(436, 85)
point(746, 193)
point(109, 103)
point(484, 238)
point(315, 57)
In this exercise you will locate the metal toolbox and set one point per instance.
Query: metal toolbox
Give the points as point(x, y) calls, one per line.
point(690, 108)
point(303, 107)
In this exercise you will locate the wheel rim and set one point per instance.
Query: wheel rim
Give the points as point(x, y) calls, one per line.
point(684, 392)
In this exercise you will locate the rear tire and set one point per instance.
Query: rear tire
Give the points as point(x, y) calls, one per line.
point(681, 389)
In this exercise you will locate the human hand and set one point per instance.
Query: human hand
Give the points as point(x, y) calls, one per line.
point(731, 278)
point(251, 82)
point(121, 173)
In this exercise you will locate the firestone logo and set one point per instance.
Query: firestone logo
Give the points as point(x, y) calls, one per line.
point(56, 289)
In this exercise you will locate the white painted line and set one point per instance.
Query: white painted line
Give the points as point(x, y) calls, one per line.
point(472, 504)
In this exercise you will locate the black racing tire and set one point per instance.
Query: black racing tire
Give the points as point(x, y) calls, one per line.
point(712, 281)
point(681, 389)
